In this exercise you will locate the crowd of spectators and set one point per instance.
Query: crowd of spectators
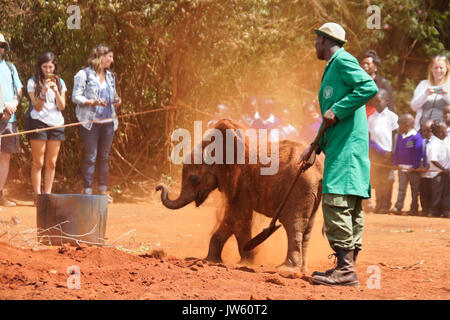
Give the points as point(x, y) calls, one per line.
point(416, 150)
point(94, 92)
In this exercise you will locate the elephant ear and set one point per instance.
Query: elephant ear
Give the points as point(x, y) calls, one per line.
point(229, 175)
point(229, 178)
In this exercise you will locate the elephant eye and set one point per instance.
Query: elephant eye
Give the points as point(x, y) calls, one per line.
point(193, 180)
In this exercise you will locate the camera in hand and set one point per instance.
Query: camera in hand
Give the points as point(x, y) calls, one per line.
point(438, 90)
point(51, 76)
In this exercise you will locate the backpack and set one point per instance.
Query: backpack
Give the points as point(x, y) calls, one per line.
point(11, 69)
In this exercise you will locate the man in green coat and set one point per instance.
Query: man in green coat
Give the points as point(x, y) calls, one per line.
point(344, 90)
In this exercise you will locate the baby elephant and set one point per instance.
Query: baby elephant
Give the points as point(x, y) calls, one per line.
point(247, 190)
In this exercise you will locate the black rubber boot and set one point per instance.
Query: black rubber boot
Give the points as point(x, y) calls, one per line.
point(343, 275)
point(355, 255)
point(329, 271)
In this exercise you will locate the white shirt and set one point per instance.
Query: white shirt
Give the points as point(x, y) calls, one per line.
point(436, 151)
point(381, 126)
point(447, 144)
point(50, 114)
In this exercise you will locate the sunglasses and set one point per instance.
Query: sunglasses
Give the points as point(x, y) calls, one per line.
point(3, 45)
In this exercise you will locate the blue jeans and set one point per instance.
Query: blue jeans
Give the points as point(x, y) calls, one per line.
point(96, 146)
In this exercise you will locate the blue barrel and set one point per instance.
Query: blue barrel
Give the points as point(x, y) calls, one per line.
point(71, 218)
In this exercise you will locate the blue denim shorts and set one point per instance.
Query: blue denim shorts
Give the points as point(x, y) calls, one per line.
point(54, 134)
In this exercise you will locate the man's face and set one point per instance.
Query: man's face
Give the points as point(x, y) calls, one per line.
point(441, 132)
point(320, 47)
point(381, 101)
point(404, 125)
point(368, 65)
point(2, 50)
point(426, 131)
point(447, 115)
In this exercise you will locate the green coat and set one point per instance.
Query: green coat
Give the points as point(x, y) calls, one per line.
point(345, 88)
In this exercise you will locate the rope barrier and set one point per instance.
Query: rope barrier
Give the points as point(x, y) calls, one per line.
point(100, 120)
point(166, 109)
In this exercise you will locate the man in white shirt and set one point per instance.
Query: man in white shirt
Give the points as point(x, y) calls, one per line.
point(383, 125)
point(437, 154)
point(425, 193)
point(447, 118)
point(446, 141)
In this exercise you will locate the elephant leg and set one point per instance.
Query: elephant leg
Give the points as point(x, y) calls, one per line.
point(305, 243)
point(242, 232)
point(218, 240)
point(294, 252)
point(294, 258)
point(307, 232)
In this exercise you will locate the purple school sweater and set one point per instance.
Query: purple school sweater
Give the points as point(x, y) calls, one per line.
point(408, 150)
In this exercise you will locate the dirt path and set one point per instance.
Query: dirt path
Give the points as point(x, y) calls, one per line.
point(411, 254)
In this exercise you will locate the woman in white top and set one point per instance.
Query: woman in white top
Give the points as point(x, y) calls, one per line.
point(47, 94)
point(432, 95)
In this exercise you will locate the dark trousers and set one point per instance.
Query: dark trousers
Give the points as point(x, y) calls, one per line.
point(446, 196)
point(425, 195)
point(413, 178)
point(437, 192)
point(382, 182)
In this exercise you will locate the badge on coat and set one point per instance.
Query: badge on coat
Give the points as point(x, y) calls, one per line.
point(328, 92)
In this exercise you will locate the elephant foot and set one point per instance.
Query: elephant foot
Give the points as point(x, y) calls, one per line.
point(246, 261)
point(290, 267)
point(213, 259)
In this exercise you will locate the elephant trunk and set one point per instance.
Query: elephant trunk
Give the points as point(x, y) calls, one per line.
point(183, 199)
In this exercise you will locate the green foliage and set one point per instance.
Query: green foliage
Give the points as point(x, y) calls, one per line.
point(199, 53)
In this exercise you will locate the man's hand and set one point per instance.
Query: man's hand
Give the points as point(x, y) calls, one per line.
point(308, 157)
point(329, 118)
point(6, 116)
point(117, 102)
point(11, 107)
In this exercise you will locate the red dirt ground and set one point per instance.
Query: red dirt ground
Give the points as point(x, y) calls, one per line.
point(412, 254)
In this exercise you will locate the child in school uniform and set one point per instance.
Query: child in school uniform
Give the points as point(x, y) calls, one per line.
point(383, 125)
point(407, 157)
point(446, 196)
point(437, 154)
point(425, 193)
